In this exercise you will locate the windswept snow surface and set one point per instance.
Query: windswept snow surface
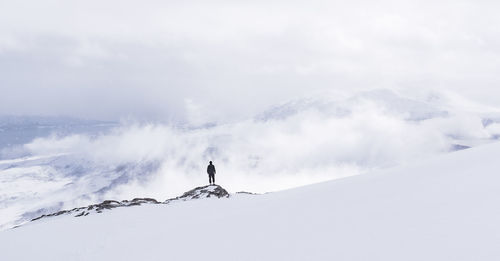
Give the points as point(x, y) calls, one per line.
point(441, 209)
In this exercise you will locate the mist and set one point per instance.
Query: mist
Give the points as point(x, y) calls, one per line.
point(118, 59)
point(292, 144)
point(277, 94)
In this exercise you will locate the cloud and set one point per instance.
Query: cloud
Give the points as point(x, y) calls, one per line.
point(291, 144)
point(302, 146)
point(122, 59)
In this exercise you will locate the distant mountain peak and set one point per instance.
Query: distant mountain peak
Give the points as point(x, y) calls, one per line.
point(392, 102)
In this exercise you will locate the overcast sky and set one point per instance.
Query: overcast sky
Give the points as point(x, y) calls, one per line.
point(157, 60)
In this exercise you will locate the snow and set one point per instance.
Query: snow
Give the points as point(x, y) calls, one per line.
point(18, 130)
point(51, 164)
point(411, 110)
point(445, 208)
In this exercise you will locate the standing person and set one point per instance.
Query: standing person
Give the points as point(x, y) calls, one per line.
point(211, 173)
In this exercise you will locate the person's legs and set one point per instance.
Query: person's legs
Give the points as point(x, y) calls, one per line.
point(213, 178)
point(209, 179)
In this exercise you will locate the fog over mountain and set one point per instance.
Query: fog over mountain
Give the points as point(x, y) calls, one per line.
point(161, 60)
point(339, 130)
point(437, 209)
point(299, 142)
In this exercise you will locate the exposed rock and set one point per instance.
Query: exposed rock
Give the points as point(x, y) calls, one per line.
point(247, 193)
point(203, 192)
point(210, 191)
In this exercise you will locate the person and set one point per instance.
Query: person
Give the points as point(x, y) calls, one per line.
point(211, 173)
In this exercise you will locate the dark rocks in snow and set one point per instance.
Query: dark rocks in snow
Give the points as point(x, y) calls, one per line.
point(98, 208)
point(48, 209)
point(210, 191)
point(81, 214)
point(246, 193)
point(53, 214)
point(139, 201)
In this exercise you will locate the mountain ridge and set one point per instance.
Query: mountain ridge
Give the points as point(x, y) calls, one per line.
point(208, 191)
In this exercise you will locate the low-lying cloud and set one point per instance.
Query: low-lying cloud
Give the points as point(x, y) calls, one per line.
point(292, 144)
point(264, 154)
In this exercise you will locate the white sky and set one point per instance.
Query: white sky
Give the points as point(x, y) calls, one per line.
point(156, 60)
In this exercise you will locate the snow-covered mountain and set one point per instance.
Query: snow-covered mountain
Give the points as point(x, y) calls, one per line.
point(300, 142)
point(389, 101)
point(445, 208)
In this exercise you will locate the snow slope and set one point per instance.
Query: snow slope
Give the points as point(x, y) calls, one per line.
point(446, 208)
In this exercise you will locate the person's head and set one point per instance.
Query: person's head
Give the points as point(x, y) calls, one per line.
point(210, 162)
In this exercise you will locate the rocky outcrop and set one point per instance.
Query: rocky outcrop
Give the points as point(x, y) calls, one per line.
point(210, 191)
point(98, 208)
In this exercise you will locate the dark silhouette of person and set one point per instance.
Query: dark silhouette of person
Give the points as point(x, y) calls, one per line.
point(211, 173)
